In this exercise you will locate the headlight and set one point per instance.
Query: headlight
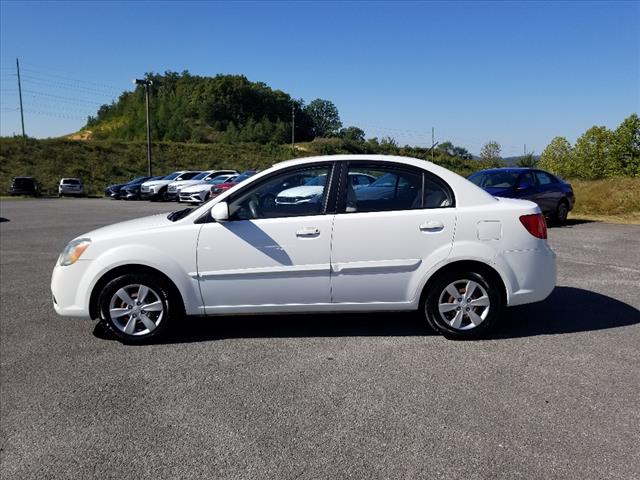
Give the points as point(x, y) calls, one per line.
point(74, 251)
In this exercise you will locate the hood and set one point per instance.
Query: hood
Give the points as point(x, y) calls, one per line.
point(500, 192)
point(184, 183)
point(302, 191)
point(199, 187)
point(129, 227)
point(156, 183)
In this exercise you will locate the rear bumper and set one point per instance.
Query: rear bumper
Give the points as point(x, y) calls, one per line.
point(531, 274)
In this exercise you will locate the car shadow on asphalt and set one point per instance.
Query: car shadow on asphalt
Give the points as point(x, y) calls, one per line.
point(571, 222)
point(567, 310)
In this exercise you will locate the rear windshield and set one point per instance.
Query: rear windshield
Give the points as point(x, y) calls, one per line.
point(70, 181)
point(22, 181)
point(497, 179)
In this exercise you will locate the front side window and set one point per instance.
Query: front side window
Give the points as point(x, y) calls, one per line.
point(288, 194)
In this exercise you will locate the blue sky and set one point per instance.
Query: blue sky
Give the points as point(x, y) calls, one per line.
point(517, 72)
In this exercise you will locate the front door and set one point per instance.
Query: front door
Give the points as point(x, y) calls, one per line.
point(268, 254)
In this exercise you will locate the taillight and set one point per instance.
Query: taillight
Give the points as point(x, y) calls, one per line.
point(535, 225)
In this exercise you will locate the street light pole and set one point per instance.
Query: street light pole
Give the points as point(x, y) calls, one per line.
point(147, 84)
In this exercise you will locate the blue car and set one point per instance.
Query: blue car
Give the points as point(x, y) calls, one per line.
point(553, 195)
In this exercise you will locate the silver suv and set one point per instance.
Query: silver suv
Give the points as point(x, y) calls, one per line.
point(70, 186)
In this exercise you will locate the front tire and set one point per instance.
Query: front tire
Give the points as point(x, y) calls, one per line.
point(136, 308)
point(462, 304)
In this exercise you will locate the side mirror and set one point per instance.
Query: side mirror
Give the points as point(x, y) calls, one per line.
point(220, 212)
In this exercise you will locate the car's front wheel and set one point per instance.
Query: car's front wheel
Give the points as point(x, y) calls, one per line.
point(136, 307)
point(462, 304)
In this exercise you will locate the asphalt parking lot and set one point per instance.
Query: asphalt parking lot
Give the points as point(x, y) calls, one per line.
point(554, 394)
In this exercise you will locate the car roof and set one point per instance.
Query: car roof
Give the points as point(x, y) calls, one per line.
point(466, 192)
point(509, 169)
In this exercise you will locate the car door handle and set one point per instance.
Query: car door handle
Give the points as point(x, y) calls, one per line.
point(432, 226)
point(308, 232)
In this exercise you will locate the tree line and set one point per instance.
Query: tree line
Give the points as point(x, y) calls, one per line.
point(597, 153)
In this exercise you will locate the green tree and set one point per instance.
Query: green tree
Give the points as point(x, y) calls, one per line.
point(558, 158)
point(490, 153)
point(593, 154)
point(325, 117)
point(626, 146)
point(352, 133)
point(528, 160)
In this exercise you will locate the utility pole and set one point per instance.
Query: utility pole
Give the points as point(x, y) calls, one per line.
point(293, 126)
point(433, 143)
point(147, 84)
point(20, 95)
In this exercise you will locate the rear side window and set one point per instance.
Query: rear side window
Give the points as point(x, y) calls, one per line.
point(393, 188)
point(544, 178)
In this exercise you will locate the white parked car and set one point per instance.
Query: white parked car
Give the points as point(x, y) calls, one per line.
point(157, 189)
point(174, 188)
point(435, 243)
point(199, 193)
point(311, 190)
point(70, 186)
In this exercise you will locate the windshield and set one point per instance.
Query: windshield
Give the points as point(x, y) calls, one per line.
point(71, 181)
point(138, 180)
point(201, 176)
point(219, 179)
point(495, 179)
point(319, 180)
point(172, 176)
point(244, 176)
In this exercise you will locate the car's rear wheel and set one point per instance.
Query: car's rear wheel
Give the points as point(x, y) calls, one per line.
point(462, 304)
point(562, 212)
point(136, 307)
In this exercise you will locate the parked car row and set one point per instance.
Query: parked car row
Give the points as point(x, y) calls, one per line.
point(189, 186)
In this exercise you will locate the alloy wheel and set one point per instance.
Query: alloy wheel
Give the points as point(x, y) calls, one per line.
point(464, 304)
point(136, 309)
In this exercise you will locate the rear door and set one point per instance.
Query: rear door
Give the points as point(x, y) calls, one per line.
point(387, 235)
point(550, 193)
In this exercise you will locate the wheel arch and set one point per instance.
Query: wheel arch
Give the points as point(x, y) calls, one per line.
point(471, 265)
point(130, 269)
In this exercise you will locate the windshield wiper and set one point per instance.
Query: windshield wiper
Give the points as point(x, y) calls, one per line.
point(177, 215)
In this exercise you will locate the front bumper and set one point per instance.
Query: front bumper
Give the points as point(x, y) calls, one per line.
point(190, 197)
point(71, 288)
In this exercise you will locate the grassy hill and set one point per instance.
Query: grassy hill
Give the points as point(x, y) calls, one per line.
point(101, 163)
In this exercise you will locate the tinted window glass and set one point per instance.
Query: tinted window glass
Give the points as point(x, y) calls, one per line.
point(393, 189)
point(495, 179)
point(187, 176)
point(70, 181)
point(526, 180)
point(294, 193)
point(545, 178)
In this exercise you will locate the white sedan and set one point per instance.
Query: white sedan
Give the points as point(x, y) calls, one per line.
point(428, 240)
point(198, 193)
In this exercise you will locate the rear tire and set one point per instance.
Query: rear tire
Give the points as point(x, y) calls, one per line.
point(561, 213)
point(137, 308)
point(462, 304)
